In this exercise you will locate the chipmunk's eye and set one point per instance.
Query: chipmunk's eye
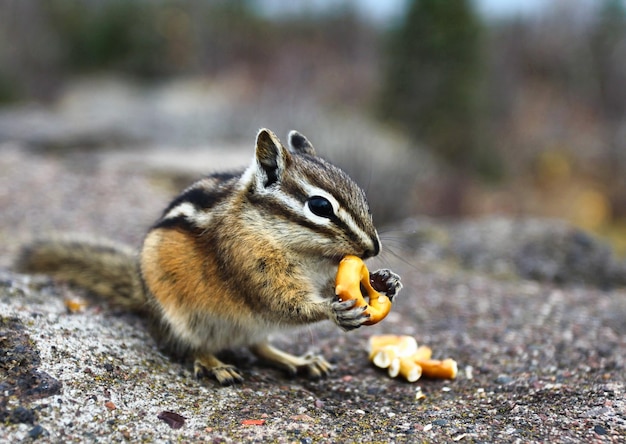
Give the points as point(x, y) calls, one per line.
point(320, 206)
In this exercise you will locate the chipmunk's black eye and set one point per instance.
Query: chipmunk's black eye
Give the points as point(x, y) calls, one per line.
point(320, 206)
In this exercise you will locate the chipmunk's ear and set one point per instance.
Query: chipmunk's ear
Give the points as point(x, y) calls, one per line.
point(300, 144)
point(271, 156)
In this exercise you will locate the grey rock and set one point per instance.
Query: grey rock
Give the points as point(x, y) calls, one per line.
point(537, 249)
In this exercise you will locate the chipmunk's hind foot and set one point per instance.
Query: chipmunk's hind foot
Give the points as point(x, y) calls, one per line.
point(225, 374)
point(314, 365)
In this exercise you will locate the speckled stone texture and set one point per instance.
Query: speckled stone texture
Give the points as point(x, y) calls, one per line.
point(541, 359)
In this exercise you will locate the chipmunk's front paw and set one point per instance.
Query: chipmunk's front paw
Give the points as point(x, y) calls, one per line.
point(347, 316)
point(387, 282)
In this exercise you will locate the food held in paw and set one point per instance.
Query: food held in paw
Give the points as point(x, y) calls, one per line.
point(352, 275)
point(400, 355)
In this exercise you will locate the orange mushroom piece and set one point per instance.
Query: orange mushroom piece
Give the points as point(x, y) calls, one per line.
point(352, 274)
point(400, 355)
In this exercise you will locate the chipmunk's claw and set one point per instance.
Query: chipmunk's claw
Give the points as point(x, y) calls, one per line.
point(387, 282)
point(312, 363)
point(347, 316)
point(225, 374)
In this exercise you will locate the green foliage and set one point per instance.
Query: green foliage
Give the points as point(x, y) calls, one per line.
point(10, 88)
point(149, 37)
point(607, 45)
point(433, 86)
point(114, 34)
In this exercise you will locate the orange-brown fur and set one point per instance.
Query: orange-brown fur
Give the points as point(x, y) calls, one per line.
point(182, 275)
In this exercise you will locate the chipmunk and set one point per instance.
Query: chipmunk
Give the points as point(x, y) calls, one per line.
point(235, 257)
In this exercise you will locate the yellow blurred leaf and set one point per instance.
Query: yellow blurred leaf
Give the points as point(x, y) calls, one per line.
point(593, 209)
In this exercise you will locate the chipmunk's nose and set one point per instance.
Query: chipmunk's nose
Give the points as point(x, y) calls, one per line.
point(371, 252)
point(377, 245)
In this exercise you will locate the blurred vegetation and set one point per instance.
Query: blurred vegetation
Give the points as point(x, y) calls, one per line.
point(535, 102)
point(110, 35)
point(433, 86)
point(147, 39)
point(160, 39)
point(9, 88)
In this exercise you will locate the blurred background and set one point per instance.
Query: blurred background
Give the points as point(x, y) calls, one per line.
point(447, 108)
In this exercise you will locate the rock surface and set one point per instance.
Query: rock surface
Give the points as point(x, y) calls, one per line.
point(536, 249)
point(537, 363)
point(533, 311)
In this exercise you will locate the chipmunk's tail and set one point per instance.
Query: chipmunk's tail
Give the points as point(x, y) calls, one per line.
point(106, 268)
